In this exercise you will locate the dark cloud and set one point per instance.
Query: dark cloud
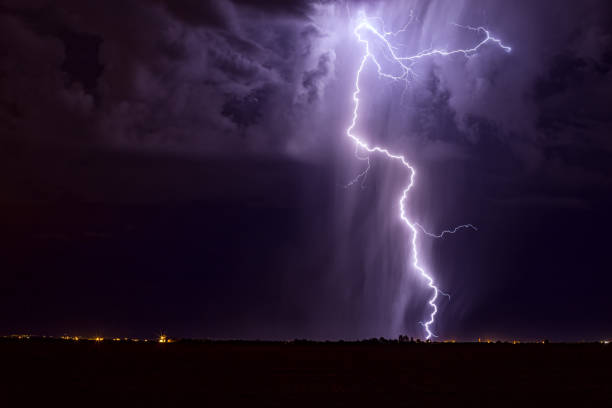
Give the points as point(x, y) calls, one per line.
point(160, 84)
point(216, 13)
point(312, 81)
point(220, 124)
point(299, 8)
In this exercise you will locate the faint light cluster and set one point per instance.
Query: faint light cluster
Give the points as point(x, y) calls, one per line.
point(20, 336)
point(98, 339)
point(163, 338)
point(66, 337)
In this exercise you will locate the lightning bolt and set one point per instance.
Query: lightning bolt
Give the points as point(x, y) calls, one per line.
point(405, 64)
point(448, 231)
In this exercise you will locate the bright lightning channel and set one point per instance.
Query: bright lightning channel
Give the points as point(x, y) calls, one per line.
point(405, 64)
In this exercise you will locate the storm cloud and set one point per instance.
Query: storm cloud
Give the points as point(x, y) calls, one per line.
point(227, 120)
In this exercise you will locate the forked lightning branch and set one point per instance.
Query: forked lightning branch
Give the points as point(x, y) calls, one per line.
point(366, 32)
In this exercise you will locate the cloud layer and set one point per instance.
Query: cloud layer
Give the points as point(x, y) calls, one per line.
point(244, 104)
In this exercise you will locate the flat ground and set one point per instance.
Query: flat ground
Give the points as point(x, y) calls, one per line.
point(108, 373)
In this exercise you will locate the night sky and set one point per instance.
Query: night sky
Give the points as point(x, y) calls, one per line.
point(183, 167)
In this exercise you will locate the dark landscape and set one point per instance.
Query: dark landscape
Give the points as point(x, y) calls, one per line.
point(299, 373)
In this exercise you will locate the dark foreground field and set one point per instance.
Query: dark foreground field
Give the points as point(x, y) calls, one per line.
point(110, 373)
